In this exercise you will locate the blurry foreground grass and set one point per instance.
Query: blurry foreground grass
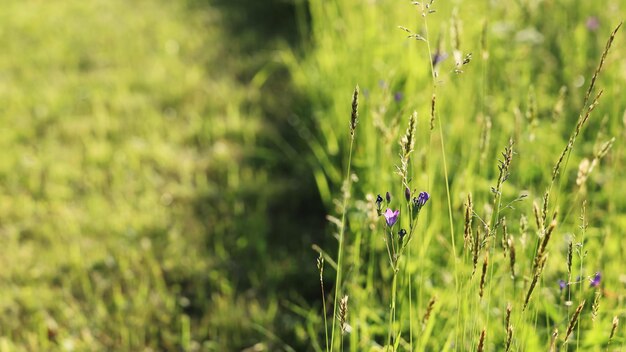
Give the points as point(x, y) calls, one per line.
point(123, 168)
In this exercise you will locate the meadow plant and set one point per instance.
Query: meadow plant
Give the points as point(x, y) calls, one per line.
point(513, 284)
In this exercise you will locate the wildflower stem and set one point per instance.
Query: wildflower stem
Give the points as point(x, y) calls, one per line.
point(392, 307)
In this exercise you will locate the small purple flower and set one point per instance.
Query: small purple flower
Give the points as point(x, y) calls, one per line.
point(402, 233)
point(398, 97)
point(419, 202)
point(562, 284)
point(407, 194)
point(422, 198)
point(438, 57)
point(391, 216)
point(592, 23)
point(388, 197)
point(595, 280)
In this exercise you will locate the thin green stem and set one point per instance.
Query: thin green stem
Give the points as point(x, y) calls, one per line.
point(324, 313)
point(445, 172)
point(392, 307)
point(341, 244)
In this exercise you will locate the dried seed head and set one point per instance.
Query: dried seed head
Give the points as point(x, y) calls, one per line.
point(511, 245)
point(320, 264)
point(555, 335)
point(583, 171)
point(538, 218)
point(483, 276)
point(596, 306)
point(429, 310)
point(467, 231)
point(343, 315)
point(481, 341)
point(408, 140)
point(354, 117)
point(509, 328)
point(573, 321)
point(613, 328)
point(432, 111)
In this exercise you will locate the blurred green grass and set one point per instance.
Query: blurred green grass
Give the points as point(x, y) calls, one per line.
point(133, 203)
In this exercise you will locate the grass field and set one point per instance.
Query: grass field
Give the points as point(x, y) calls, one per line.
point(170, 171)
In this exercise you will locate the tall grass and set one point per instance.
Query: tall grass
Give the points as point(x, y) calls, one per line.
point(492, 120)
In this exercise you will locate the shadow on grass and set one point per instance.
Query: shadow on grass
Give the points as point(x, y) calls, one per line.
point(269, 244)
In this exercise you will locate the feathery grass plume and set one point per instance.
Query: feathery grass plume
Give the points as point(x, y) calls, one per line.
point(483, 275)
point(407, 143)
point(354, 117)
point(572, 140)
point(583, 172)
point(511, 245)
point(467, 230)
point(320, 268)
point(429, 310)
point(505, 235)
point(596, 305)
point(408, 140)
point(481, 341)
point(538, 218)
point(544, 210)
point(476, 248)
point(555, 336)
point(613, 329)
point(570, 255)
point(504, 166)
point(433, 101)
point(343, 315)
point(544, 243)
point(508, 327)
point(534, 281)
point(557, 110)
point(584, 116)
point(573, 321)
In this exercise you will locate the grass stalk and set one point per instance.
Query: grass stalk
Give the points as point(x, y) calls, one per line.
point(353, 123)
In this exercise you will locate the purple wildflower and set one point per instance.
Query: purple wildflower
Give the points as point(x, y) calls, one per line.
point(407, 194)
point(422, 198)
point(388, 197)
point(391, 216)
point(402, 233)
point(419, 202)
point(592, 23)
point(562, 284)
point(438, 57)
point(595, 280)
point(398, 97)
